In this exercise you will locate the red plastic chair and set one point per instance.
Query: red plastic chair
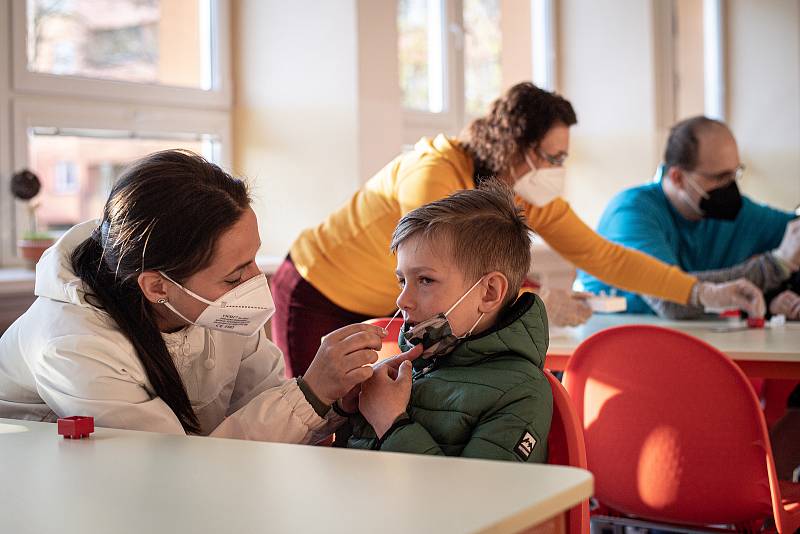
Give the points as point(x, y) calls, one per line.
point(389, 346)
point(775, 393)
point(565, 446)
point(674, 432)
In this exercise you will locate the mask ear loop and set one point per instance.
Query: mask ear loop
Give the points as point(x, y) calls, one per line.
point(176, 312)
point(530, 163)
point(453, 307)
point(211, 361)
point(469, 332)
point(697, 188)
point(188, 291)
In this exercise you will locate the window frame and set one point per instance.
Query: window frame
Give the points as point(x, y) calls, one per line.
point(6, 199)
point(35, 99)
point(543, 44)
point(219, 97)
point(666, 73)
point(417, 123)
point(714, 59)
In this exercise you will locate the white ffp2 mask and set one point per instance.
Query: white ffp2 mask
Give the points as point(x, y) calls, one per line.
point(540, 186)
point(243, 310)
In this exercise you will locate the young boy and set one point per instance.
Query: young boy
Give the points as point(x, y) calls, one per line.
point(478, 390)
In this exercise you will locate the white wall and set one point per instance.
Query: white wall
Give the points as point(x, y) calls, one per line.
point(690, 98)
point(295, 111)
point(380, 97)
point(317, 103)
point(611, 59)
point(606, 69)
point(516, 56)
point(764, 96)
point(317, 106)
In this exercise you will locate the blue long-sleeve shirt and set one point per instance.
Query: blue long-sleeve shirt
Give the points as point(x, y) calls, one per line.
point(643, 218)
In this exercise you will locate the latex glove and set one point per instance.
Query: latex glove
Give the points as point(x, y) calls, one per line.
point(789, 250)
point(383, 399)
point(565, 308)
point(739, 294)
point(786, 303)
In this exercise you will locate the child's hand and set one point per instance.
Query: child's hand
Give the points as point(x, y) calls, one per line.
point(393, 363)
point(383, 399)
point(349, 403)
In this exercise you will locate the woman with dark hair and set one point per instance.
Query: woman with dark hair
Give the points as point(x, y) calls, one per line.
point(152, 319)
point(342, 271)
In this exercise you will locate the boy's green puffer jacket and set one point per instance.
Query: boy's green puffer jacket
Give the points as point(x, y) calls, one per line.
point(487, 399)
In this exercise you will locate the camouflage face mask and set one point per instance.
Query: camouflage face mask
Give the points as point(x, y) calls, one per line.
point(435, 334)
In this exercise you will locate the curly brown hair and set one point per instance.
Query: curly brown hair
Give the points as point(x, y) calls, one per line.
point(518, 119)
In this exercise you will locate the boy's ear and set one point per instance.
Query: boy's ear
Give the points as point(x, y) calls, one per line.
point(496, 289)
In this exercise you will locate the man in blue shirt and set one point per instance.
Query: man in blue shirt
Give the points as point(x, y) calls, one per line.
point(694, 217)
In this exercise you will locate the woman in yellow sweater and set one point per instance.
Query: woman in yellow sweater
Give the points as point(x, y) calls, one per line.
point(342, 271)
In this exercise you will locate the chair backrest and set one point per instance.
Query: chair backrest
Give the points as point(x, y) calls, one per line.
point(565, 446)
point(673, 429)
point(389, 346)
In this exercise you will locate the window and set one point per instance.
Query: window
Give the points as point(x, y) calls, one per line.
point(156, 51)
point(98, 83)
point(449, 57)
point(163, 42)
point(691, 50)
point(77, 168)
point(420, 39)
point(482, 48)
point(65, 179)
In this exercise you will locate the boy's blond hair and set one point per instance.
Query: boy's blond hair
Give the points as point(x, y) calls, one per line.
point(482, 229)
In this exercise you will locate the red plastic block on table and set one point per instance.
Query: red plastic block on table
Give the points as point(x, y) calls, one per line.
point(76, 427)
point(755, 323)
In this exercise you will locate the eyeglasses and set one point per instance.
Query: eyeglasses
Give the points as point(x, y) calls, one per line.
point(724, 176)
point(556, 161)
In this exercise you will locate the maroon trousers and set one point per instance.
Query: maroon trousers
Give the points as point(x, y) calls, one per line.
point(302, 316)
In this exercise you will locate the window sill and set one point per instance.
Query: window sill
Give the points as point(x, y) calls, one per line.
point(21, 281)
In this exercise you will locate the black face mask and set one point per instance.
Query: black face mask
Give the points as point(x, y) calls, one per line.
point(722, 203)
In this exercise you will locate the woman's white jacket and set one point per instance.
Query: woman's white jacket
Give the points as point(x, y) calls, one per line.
point(65, 357)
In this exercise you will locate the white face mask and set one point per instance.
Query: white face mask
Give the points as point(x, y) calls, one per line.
point(243, 310)
point(540, 186)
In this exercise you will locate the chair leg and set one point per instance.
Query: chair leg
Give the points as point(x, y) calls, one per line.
point(601, 524)
point(605, 525)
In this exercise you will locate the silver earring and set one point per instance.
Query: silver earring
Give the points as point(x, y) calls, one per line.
point(161, 301)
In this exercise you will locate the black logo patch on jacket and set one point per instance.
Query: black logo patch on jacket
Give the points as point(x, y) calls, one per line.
point(525, 446)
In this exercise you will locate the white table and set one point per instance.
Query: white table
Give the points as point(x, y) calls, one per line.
point(125, 481)
point(760, 352)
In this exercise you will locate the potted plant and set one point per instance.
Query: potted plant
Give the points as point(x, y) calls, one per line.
point(25, 185)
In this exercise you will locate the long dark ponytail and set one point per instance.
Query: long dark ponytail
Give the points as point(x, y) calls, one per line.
point(164, 213)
